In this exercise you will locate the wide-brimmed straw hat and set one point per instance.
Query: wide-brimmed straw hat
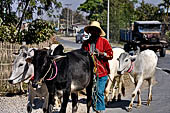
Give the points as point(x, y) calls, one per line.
point(95, 24)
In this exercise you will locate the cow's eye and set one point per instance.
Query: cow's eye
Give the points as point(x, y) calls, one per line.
point(20, 65)
point(126, 60)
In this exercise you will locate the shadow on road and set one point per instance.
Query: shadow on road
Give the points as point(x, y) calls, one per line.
point(123, 104)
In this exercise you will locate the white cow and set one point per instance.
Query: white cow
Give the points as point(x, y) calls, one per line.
point(23, 71)
point(142, 67)
point(113, 75)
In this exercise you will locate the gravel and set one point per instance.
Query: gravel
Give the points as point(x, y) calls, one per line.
point(18, 104)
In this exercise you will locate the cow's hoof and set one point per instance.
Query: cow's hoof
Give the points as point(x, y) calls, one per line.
point(148, 103)
point(129, 109)
point(138, 105)
point(29, 109)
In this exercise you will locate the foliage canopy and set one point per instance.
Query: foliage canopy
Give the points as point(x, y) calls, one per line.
point(123, 13)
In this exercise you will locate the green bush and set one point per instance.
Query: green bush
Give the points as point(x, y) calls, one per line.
point(8, 33)
point(38, 31)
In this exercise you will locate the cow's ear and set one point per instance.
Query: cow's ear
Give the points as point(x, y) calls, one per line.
point(15, 54)
point(28, 60)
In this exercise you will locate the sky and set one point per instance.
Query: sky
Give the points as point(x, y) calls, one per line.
point(76, 3)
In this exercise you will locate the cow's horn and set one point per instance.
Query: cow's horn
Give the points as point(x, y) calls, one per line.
point(59, 57)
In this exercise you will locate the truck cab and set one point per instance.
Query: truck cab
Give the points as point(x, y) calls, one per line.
point(144, 35)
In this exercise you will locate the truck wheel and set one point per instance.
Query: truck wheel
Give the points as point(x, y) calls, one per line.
point(163, 52)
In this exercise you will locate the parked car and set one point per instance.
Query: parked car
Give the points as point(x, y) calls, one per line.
point(81, 36)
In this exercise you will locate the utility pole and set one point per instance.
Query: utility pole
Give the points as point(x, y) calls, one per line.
point(108, 6)
point(58, 23)
point(72, 18)
point(67, 17)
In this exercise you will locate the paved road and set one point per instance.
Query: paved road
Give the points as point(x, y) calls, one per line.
point(69, 42)
point(161, 91)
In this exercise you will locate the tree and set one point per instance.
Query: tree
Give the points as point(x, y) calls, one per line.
point(165, 4)
point(26, 8)
point(121, 13)
point(93, 7)
point(147, 12)
point(46, 5)
point(79, 18)
point(75, 15)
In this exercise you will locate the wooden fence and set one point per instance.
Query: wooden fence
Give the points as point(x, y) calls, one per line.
point(6, 59)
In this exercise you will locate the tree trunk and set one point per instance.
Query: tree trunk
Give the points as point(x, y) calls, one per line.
point(23, 14)
point(9, 9)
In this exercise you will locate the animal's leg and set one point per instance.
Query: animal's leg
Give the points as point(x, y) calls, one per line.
point(121, 88)
point(51, 102)
point(74, 97)
point(31, 96)
point(58, 98)
point(113, 97)
point(131, 78)
point(66, 95)
point(139, 83)
point(89, 97)
point(150, 92)
point(139, 98)
point(57, 102)
point(45, 105)
point(21, 88)
point(108, 87)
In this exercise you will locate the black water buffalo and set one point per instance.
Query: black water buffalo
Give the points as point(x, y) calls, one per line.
point(69, 72)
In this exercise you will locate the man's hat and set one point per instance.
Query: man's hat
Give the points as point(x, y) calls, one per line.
point(95, 24)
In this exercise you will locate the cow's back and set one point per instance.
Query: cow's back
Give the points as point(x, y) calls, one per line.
point(80, 68)
point(146, 63)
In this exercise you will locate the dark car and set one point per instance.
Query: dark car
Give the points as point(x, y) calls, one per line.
point(81, 36)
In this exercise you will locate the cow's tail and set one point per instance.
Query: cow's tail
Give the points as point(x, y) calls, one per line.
point(164, 69)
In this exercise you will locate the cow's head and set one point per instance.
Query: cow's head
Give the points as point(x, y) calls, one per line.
point(21, 70)
point(43, 63)
point(125, 61)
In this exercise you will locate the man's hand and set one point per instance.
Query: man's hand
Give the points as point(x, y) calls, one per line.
point(98, 53)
